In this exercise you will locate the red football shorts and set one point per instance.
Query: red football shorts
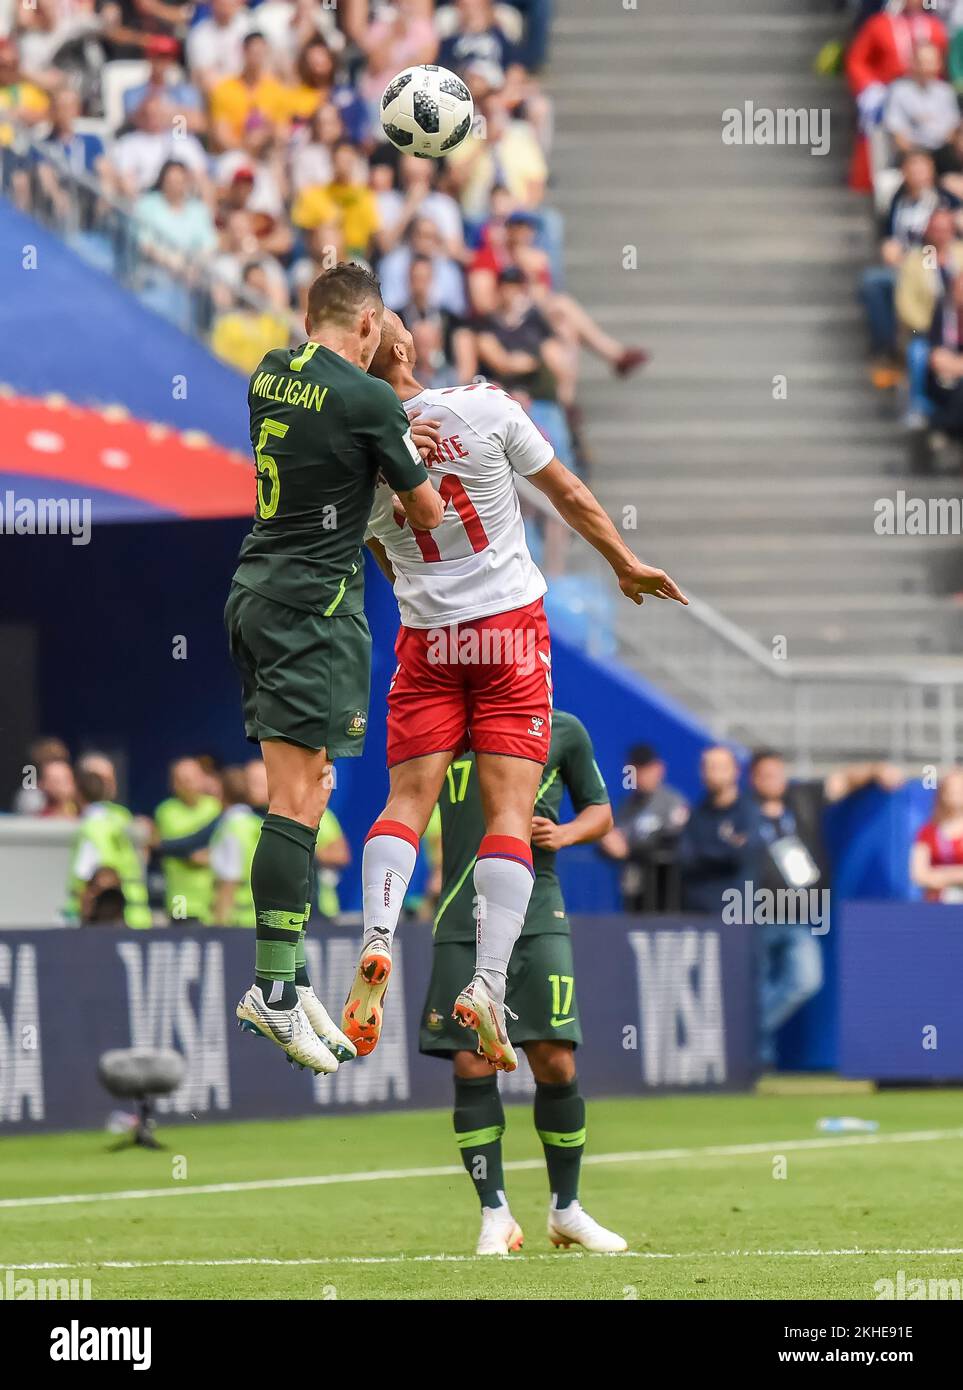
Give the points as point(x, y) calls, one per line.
point(485, 685)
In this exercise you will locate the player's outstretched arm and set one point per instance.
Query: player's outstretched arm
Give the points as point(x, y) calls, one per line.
point(576, 504)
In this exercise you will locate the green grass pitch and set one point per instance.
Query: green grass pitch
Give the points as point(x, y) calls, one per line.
point(705, 1213)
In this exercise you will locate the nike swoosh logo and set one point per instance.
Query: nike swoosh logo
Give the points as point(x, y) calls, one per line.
point(561, 1022)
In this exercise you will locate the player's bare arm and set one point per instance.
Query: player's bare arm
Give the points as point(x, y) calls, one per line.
point(591, 824)
point(584, 513)
point(381, 558)
point(422, 506)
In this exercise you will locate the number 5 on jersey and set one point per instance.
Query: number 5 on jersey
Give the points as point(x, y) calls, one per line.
point(268, 469)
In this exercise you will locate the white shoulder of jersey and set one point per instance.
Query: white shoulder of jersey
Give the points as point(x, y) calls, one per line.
point(492, 414)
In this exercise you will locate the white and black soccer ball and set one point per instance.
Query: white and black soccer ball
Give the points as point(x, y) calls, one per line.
point(427, 111)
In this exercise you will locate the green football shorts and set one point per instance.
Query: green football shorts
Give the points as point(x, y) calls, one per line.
point(541, 990)
point(304, 678)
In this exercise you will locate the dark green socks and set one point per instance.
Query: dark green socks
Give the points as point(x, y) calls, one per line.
point(479, 1126)
point(279, 871)
point(560, 1121)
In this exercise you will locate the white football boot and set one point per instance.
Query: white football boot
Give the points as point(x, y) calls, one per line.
point(500, 1233)
point(573, 1226)
point(322, 1023)
point(289, 1028)
point(475, 1008)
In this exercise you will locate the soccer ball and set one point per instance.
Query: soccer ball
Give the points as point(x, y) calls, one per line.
point(426, 111)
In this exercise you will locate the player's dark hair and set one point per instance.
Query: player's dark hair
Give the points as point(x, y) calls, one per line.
point(338, 295)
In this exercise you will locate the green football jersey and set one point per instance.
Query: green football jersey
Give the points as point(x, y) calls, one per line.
point(322, 430)
point(571, 767)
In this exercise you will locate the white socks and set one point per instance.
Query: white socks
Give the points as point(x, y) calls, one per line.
point(387, 864)
point(503, 880)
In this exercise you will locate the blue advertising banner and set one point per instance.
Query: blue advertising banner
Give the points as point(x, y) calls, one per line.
point(900, 973)
point(665, 1004)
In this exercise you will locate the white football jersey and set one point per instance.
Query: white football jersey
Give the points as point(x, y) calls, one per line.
point(476, 561)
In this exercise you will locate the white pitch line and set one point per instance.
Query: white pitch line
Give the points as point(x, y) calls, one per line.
point(249, 1261)
point(920, 1136)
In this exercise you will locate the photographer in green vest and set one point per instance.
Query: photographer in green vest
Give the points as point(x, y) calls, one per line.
point(185, 823)
point(105, 840)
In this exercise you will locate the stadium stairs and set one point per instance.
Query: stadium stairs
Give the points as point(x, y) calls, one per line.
point(748, 258)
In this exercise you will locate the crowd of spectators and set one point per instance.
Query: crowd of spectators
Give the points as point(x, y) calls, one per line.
point(752, 827)
point(904, 66)
point(243, 141)
point(189, 862)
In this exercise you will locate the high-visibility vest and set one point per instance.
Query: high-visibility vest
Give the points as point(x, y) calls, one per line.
point(242, 825)
point(188, 888)
point(107, 828)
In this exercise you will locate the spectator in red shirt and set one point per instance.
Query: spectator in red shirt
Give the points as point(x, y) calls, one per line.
point(883, 50)
point(936, 859)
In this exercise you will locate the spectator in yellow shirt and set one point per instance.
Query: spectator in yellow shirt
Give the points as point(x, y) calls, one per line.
point(255, 91)
point(21, 102)
point(345, 200)
point(242, 335)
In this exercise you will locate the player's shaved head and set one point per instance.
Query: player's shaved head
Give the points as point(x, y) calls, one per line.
point(340, 295)
point(394, 335)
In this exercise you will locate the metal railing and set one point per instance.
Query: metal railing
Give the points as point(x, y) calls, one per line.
point(722, 674)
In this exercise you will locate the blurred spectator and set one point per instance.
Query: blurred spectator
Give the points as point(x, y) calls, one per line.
point(105, 841)
point(517, 346)
point(29, 800)
point(645, 836)
point(401, 36)
point(102, 902)
point(59, 789)
point(346, 199)
point(510, 154)
point(253, 188)
point(420, 197)
point(185, 823)
point(913, 204)
point(478, 38)
point(312, 157)
point(215, 45)
point(237, 248)
point(946, 363)
point(922, 111)
point(165, 80)
point(242, 335)
point(292, 26)
point(794, 858)
point(317, 87)
point(135, 162)
point(234, 842)
point(253, 91)
point(444, 346)
point(22, 102)
point(174, 224)
point(68, 149)
point(331, 856)
point(447, 285)
point(924, 275)
point(882, 51)
point(719, 848)
point(936, 859)
point(324, 248)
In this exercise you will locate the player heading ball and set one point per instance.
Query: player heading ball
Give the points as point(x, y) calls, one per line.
point(473, 570)
point(323, 432)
